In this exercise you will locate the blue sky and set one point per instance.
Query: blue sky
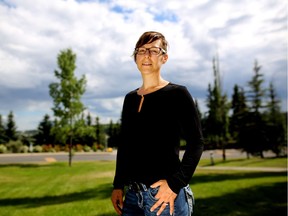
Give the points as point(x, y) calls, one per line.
point(103, 35)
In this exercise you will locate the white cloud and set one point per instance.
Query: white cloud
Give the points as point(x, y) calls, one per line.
point(103, 35)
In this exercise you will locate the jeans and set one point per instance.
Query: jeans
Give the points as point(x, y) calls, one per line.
point(139, 203)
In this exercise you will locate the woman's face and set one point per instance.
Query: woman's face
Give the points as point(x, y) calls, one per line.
point(149, 63)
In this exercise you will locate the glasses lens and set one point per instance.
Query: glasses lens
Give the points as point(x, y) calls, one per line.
point(152, 51)
point(141, 51)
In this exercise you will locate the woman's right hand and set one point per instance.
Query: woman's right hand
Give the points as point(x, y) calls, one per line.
point(117, 200)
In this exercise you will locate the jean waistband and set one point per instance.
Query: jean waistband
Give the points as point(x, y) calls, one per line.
point(137, 186)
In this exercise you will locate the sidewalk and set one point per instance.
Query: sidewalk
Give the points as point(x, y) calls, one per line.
point(260, 169)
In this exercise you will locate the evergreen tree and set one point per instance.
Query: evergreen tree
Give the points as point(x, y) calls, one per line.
point(89, 120)
point(217, 121)
point(198, 109)
point(10, 130)
point(239, 112)
point(256, 93)
point(89, 136)
point(253, 137)
point(44, 135)
point(3, 137)
point(113, 134)
point(276, 128)
point(97, 126)
point(100, 134)
point(67, 95)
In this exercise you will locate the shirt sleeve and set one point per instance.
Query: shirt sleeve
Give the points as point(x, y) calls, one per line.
point(189, 122)
point(119, 178)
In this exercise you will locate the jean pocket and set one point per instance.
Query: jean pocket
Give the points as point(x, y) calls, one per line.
point(152, 193)
point(190, 198)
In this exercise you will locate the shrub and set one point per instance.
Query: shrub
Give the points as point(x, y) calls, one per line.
point(3, 148)
point(94, 147)
point(79, 148)
point(37, 148)
point(87, 148)
point(100, 147)
point(58, 148)
point(48, 148)
point(97, 147)
point(24, 149)
point(14, 146)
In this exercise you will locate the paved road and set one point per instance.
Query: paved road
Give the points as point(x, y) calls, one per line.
point(52, 157)
point(100, 156)
point(94, 156)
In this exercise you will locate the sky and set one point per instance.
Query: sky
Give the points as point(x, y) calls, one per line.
point(103, 34)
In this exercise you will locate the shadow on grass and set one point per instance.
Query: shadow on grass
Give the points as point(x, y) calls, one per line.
point(216, 177)
point(31, 165)
point(265, 200)
point(99, 193)
point(244, 161)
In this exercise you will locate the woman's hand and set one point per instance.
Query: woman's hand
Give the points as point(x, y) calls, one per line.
point(117, 200)
point(165, 196)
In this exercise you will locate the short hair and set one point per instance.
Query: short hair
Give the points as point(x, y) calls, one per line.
point(149, 37)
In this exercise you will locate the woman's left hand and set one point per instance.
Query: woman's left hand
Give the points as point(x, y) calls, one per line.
point(165, 197)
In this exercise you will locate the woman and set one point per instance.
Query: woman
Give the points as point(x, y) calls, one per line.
point(155, 117)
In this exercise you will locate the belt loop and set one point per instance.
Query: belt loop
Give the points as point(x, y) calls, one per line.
point(137, 187)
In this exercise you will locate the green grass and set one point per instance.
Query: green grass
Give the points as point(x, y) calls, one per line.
point(85, 188)
point(252, 162)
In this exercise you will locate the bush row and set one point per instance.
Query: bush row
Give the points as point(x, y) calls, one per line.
point(18, 147)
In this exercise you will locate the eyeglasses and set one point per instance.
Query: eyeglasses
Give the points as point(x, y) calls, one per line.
point(151, 51)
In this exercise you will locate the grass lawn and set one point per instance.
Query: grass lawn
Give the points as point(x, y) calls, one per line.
point(84, 189)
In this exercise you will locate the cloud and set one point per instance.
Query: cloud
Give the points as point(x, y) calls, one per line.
point(103, 35)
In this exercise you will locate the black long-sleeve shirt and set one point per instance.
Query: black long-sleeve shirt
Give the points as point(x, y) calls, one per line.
point(150, 139)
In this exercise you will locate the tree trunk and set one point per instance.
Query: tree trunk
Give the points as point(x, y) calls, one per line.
point(223, 153)
point(70, 152)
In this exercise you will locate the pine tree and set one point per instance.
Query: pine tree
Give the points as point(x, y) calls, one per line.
point(89, 134)
point(101, 138)
point(10, 130)
point(256, 93)
point(217, 121)
point(253, 137)
point(239, 112)
point(275, 122)
point(44, 135)
point(113, 134)
point(3, 137)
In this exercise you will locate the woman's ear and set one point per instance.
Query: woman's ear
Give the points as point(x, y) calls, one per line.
point(165, 58)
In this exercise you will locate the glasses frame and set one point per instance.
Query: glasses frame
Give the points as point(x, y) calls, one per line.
point(148, 49)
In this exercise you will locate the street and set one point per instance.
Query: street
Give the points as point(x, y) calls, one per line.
point(97, 156)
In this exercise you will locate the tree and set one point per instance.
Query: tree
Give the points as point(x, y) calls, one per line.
point(256, 92)
point(89, 120)
point(275, 123)
point(88, 135)
point(100, 134)
point(10, 130)
point(198, 109)
point(66, 95)
point(217, 121)
point(253, 138)
point(44, 135)
point(3, 137)
point(113, 133)
point(239, 112)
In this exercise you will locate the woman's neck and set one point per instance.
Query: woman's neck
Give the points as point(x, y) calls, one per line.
point(149, 86)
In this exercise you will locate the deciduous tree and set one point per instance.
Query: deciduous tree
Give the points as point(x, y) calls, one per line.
point(66, 95)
